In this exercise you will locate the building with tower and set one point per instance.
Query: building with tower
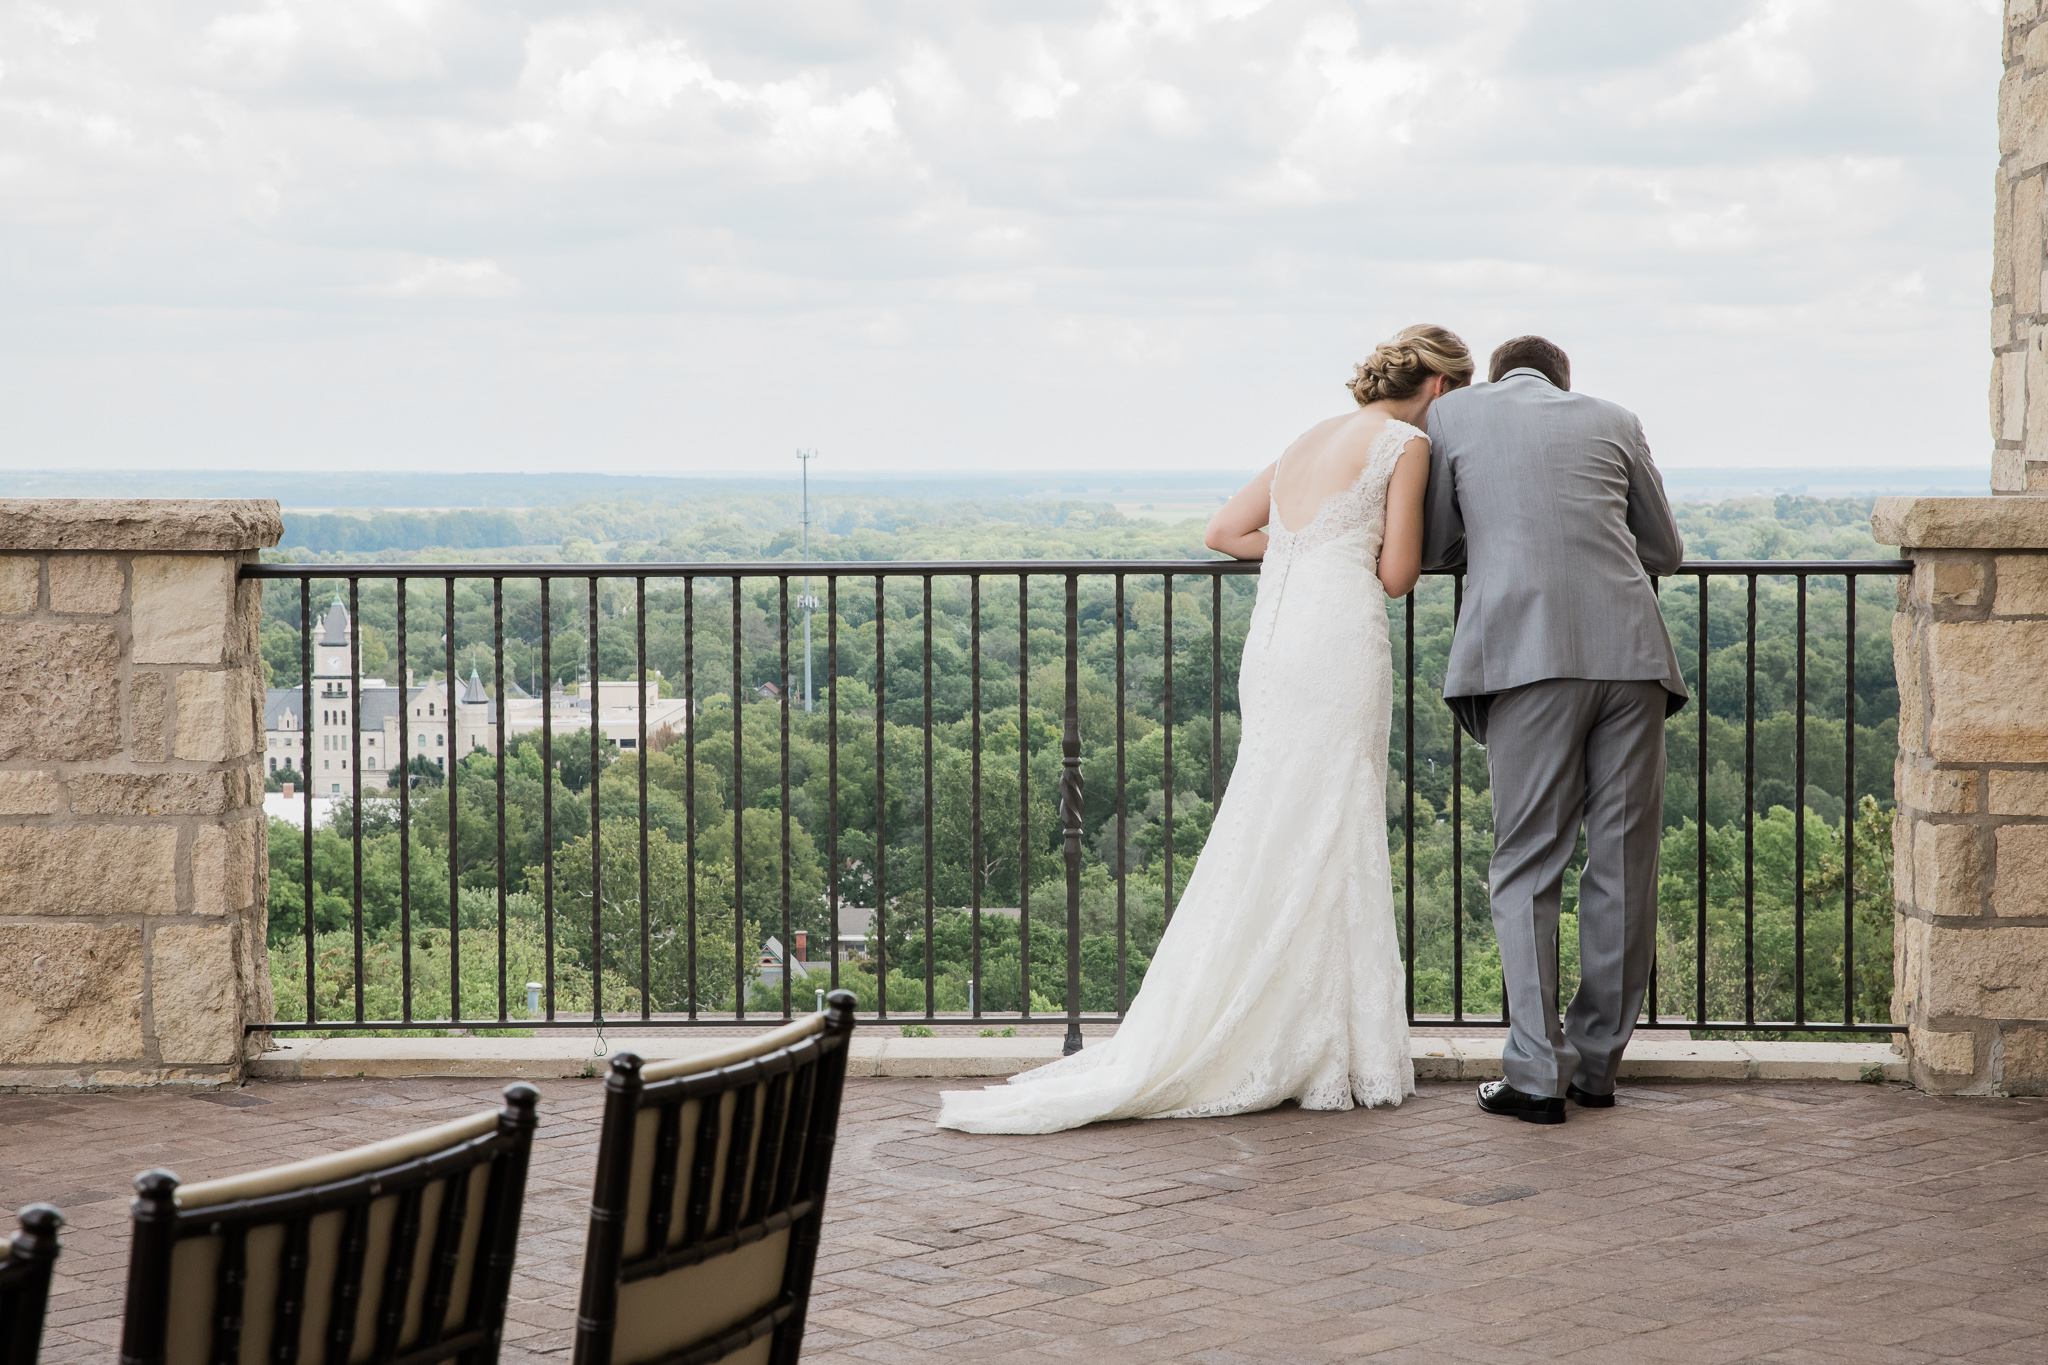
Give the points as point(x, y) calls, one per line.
point(437, 721)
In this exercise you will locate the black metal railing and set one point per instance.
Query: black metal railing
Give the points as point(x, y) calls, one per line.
point(1442, 937)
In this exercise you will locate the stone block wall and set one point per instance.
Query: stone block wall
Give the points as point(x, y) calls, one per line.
point(2019, 316)
point(133, 867)
point(1970, 840)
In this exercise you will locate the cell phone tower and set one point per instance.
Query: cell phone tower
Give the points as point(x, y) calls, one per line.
point(804, 458)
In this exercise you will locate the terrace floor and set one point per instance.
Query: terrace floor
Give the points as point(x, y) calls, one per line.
point(1697, 1223)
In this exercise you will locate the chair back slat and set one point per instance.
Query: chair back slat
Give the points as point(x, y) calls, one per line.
point(231, 1277)
point(795, 1132)
point(739, 1156)
point(345, 1302)
point(25, 1269)
point(399, 1246)
point(661, 1202)
point(290, 1315)
point(768, 1148)
point(393, 1254)
point(710, 1186)
point(704, 1157)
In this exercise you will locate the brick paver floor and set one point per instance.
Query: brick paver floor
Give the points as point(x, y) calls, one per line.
point(1693, 1223)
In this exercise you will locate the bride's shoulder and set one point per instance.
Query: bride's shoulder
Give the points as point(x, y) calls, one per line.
point(1405, 431)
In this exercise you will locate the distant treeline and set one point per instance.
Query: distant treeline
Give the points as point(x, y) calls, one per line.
point(632, 530)
point(463, 529)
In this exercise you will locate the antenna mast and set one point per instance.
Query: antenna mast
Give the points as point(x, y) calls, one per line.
point(804, 458)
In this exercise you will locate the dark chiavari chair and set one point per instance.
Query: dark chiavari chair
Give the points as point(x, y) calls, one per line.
point(397, 1253)
point(26, 1263)
point(709, 1198)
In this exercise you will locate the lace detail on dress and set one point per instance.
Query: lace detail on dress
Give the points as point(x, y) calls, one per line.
point(1362, 506)
point(1280, 977)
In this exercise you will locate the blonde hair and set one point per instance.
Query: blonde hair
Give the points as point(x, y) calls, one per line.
point(1399, 368)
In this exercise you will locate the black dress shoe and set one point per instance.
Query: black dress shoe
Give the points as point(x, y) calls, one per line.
point(1586, 1099)
point(1498, 1097)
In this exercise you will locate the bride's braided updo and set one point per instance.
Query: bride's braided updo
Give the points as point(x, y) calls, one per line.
point(1399, 368)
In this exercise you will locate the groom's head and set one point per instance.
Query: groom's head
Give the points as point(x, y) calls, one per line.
point(1531, 353)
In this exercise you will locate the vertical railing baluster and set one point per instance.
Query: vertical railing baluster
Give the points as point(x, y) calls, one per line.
point(596, 712)
point(878, 923)
point(930, 999)
point(832, 765)
point(547, 793)
point(1123, 871)
point(306, 781)
point(404, 814)
point(1849, 809)
point(499, 706)
point(1166, 770)
point(1070, 811)
point(975, 985)
point(690, 793)
point(1024, 790)
point(1408, 813)
point(1657, 928)
point(1215, 692)
point(1457, 834)
point(739, 830)
point(1408, 784)
point(355, 731)
point(788, 938)
point(1699, 1014)
point(1749, 823)
point(1799, 820)
point(640, 747)
point(454, 762)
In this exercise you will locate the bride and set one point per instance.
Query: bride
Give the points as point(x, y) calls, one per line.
point(1279, 977)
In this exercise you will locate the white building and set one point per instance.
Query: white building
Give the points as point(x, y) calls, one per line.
point(439, 723)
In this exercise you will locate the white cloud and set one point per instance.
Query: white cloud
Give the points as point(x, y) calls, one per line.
point(431, 278)
point(1137, 232)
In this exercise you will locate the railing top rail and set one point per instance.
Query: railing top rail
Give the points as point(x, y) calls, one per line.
point(958, 567)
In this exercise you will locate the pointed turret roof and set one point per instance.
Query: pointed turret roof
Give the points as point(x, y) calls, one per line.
point(475, 691)
point(334, 627)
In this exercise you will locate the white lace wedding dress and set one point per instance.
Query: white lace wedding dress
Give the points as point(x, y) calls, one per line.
point(1279, 977)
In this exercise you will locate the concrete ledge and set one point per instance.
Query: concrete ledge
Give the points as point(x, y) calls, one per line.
point(141, 524)
point(878, 1054)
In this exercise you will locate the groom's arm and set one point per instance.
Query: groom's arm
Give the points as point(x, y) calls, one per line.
point(1658, 544)
point(1443, 525)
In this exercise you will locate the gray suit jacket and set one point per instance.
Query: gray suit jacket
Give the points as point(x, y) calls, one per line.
point(1549, 502)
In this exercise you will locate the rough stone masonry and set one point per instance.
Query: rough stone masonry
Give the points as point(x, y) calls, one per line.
point(133, 871)
point(1970, 644)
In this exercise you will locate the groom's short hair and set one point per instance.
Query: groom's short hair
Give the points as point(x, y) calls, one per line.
point(1531, 353)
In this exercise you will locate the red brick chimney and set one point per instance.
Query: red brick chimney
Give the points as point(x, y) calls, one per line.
point(802, 942)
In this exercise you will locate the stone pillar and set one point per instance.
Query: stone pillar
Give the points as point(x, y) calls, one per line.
point(2019, 318)
point(1970, 841)
point(133, 866)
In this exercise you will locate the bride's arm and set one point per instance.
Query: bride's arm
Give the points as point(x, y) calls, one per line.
point(1401, 551)
point(1239, 528)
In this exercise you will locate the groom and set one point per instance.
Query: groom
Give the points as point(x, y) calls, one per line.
point(1562, 668)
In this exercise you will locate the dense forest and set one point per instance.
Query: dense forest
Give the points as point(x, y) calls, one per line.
point(898, 817)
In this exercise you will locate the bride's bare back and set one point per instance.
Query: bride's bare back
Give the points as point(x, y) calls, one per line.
point(1323, 461)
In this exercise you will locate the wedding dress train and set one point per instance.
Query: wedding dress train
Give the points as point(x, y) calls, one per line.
point(1279, 976)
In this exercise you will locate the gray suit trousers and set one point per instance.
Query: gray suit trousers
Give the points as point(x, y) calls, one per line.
point(1561, 753)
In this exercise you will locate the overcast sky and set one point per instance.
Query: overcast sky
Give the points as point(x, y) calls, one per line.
point(675, 238)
